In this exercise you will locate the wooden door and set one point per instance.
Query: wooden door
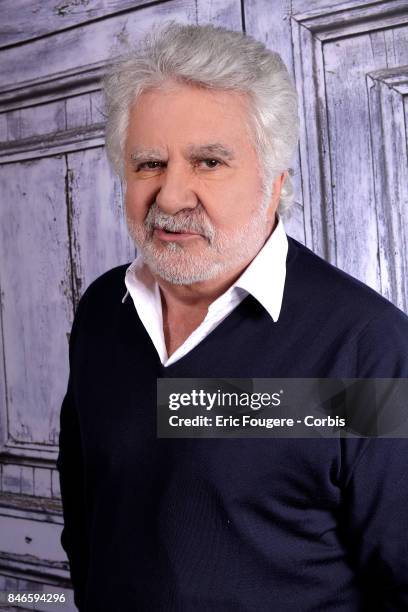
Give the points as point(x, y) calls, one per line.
point(61, 221)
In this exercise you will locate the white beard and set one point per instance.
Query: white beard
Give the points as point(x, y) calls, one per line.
point(178, 263)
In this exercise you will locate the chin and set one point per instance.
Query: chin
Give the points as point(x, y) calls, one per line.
point(178, 274)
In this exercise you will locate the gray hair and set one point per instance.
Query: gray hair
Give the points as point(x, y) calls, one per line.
point(215, 58)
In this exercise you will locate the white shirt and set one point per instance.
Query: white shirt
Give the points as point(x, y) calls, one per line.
point(264, 279)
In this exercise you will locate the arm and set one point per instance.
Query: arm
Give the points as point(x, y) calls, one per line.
point(376, 487)
point(376, 501)
point(74, 537)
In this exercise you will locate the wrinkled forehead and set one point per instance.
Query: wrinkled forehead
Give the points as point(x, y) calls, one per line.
point(196, 119)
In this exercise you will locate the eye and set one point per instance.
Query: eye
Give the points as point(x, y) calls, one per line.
point(210, 162)
point(149, 165)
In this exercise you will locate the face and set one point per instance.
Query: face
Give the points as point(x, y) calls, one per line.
point(195, 203)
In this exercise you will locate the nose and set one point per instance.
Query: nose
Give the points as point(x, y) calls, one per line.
point(176, 190)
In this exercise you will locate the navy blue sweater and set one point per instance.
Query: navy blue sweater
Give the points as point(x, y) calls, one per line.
point(233, 524)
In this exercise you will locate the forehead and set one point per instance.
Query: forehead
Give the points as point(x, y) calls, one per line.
point(188, 115)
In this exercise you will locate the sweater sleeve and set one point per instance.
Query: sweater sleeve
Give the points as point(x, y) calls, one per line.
point(376, 501)
point(74, 536)
point(376, 491)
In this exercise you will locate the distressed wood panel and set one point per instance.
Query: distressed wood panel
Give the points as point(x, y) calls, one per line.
point(89, 44)
point(3, 381)
point(334, 49)
point(54, 143)
point(314, 143)
point(36, 296)
point(30, 531)
point(273, 28)
point(31, 508)
point(367, 8)
point(226, 13)
point(36, 120)
point(54, 127)
point(347, 63)
point(25, 20)
point(98, 229)
point(50, 87)
point(332, 21)
point(97, 107)
point(78, 111)
point(388, 95)
point(11, 478)
point(27, 480)
point(71, 106)
point(3, 127)
point(42, 482)
point(24, 537)
point(55, 484)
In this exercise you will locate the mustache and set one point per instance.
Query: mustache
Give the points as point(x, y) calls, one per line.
point(186, 220)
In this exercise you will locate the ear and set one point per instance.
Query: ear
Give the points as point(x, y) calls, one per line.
point(277, 188)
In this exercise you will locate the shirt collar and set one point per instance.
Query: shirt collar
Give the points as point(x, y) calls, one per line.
point(264, 278)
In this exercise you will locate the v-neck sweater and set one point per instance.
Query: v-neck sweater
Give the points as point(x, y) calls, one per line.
point(216, 525)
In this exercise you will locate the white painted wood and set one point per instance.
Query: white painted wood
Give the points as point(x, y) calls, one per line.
point(78, 111)
point(74, 139)
point(98, 41)
point(13, 125)
point(25, 537)
point(59, 85)
point(347, 63)
point(41, 119)
point(314, 142)
point(42, 482)
point(99, 236)
point(55, 484)
point(337, 167)
point(97, 102)
point(388, 90)
point(35, 279)
point(27, 480)
point(31, 508)
point(11, 478)
point(226, 13)
point(332, 20)
point(3, 381)
point(25, 20)
point(3, 128)
point(272, 27)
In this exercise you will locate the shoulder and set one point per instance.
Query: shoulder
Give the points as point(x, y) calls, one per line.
point(97, 310)
point(102, 296)
point(110, 286)
point(345, 309)
point(321, 281)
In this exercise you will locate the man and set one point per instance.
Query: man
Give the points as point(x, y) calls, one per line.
point(202, 123)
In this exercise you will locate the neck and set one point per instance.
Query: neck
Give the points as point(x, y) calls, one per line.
point(184, 307)
point(197, 295)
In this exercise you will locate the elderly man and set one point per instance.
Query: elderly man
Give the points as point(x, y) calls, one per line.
point(202, 124)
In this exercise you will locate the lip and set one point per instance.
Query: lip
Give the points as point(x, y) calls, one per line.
point(175, 237)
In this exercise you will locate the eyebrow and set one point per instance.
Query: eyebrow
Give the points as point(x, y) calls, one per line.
point(145, 154)
point(193, 152)
point(207, 150)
